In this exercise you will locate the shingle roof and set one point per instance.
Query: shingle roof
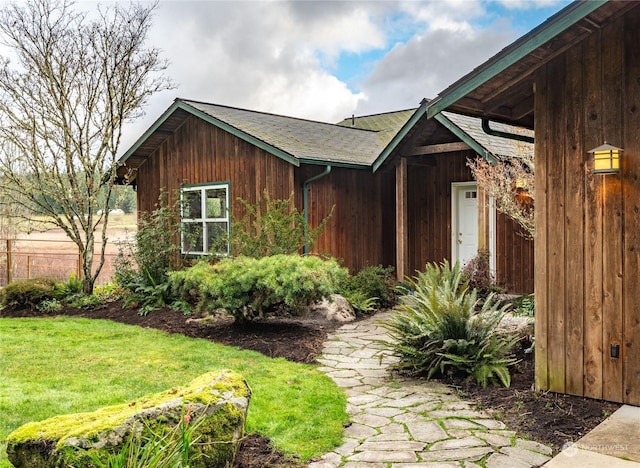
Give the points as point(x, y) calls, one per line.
point(387, 124)
point(306, 140)
point(496, 146)
point(357, 141)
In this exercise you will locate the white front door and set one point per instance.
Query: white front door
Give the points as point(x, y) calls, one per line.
point(464, 222)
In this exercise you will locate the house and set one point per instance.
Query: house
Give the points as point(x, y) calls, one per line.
point(576, 79)
point(391, 177)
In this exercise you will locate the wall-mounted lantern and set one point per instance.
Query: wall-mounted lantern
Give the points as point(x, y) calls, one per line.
point(606, 159)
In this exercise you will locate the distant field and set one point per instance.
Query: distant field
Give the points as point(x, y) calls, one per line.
point(50, 253)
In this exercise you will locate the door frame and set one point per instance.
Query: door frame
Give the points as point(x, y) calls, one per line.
point(456, 189)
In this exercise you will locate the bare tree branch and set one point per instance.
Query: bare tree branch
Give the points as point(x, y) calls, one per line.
point(511, 184)
point(76, 80)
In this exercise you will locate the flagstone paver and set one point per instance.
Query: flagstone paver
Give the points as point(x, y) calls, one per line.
point(399, 422)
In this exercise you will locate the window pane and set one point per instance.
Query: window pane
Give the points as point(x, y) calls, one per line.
point(217, 237)
point(192, 239)
point(192, 204)
point(216, 203)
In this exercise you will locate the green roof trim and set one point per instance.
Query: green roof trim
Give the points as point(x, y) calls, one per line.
point(457, 131)
point(178, 104)
point(395, 141)
point(316, 162)
point(501, 62)
point(149, 132)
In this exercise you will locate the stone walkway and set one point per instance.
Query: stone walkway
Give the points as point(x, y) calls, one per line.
point(398, 422)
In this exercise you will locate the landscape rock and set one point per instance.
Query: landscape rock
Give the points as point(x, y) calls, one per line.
point(334, 309)
point(522, 326)
point(215, 404)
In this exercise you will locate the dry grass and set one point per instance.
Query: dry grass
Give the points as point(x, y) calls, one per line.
point(49, 253)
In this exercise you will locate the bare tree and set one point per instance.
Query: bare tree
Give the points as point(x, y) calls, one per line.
point(510, 182)
point(77, 79)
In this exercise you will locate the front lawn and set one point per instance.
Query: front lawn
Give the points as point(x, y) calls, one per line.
point(51, 366)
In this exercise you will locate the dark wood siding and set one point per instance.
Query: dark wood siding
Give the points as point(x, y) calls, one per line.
point(198, 152)
point(429, 206)
point(514, 257)
point(429, 221)
point(361, 230)
point(587, 235)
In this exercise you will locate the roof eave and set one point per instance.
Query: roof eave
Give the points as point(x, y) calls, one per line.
point(328, 162)
point(140, 141)
point(290, 158)
point(518, 50)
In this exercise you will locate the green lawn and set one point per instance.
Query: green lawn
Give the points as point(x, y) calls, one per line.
point(51, 366)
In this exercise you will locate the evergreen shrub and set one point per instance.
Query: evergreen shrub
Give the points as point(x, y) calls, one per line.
point(373, 287)
point(249, 288)
point(28, 293)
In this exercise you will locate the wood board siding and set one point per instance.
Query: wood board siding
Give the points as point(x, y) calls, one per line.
point(587, 226)
point(361, 230)
point(514, 257)
point(429, 181)
point(429, 222)
point(199, 152)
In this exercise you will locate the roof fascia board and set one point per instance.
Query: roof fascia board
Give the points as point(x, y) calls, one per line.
point(537, 39)
point(395, 141)
point(327, 162)
point(457, 131)
point(242, 135)
point(150, 131)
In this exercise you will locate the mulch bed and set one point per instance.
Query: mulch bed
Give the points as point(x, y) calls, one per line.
point(551, 418)
point(546, 417)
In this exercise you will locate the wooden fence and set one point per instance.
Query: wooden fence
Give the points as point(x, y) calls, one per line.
point(39, 258)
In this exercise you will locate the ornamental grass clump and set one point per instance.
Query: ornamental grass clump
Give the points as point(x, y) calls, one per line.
point(442, 328)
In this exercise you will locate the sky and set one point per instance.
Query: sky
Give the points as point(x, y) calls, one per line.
point(326, 60)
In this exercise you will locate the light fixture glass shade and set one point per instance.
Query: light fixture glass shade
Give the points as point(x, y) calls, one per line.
point(606, 159)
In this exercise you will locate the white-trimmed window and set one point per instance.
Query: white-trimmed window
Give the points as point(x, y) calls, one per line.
point(205, 218)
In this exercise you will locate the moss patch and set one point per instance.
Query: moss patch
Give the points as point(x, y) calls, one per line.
point(220, 397)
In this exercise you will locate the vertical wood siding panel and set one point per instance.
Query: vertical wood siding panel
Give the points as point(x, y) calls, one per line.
point(541, 283)
point(556, 255)
point(631, 197)
point(612, 54)
point(574, 224)
point(593, 221)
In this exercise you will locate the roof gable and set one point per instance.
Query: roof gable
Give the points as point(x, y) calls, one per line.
point(502, 87)
point(292, 139)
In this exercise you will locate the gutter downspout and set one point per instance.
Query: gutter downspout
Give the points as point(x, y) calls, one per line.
point(305, 202)
point(497, 133)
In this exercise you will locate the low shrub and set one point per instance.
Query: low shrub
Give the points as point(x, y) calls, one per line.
point(70, 287)
point(49, 306)
point(249, 288)
point(442, 328)
point(373, 287)
point(478, 275)
point(272, 227)
point(28, 293)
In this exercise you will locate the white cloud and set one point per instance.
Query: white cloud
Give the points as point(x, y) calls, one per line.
point(270, 56)
point(528, 4)
point(284, 56)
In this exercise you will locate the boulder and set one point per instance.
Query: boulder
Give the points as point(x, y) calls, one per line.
point(214, 404)
point(335, 309)
point(521, 326)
